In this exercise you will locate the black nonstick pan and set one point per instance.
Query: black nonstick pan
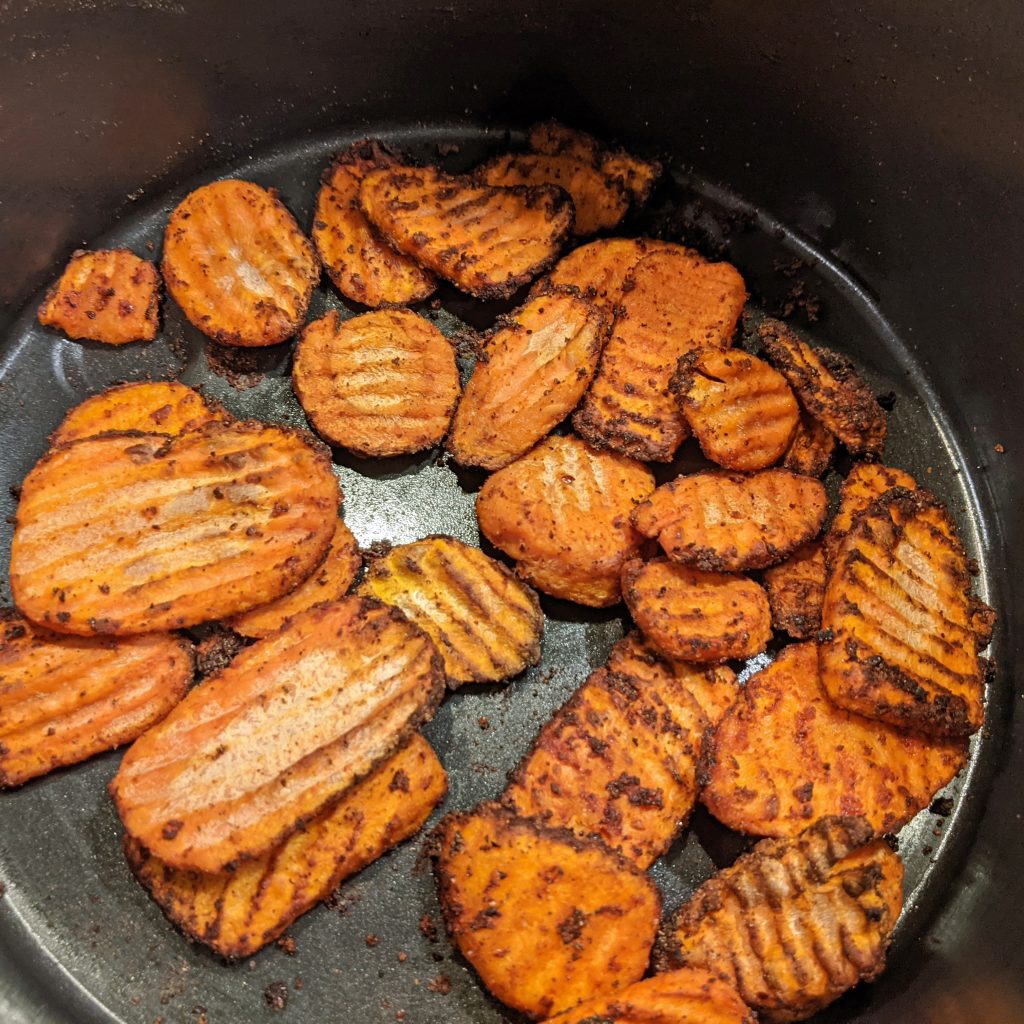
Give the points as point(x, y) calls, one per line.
point(858, 163)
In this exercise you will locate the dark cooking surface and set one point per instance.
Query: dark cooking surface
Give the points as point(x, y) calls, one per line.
point(69, 894)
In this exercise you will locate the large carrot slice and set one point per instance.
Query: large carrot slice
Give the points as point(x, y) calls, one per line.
point(237, 912)
point(127, 534)
point(279, 736)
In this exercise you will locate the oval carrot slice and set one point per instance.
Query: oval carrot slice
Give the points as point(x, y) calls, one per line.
point(696, 616)
point(545, 919)
point(599, 269)
point(329, 582)
point(380, 384)
point(238, 265)
point(899, 638)
point(533, 371)
point(831, 896)
point(157, 407)
point(728, 522)
point(237, 912)
point(674, 302)
point(487, 241)
point(600, 201)
point(106, 295)
point(486, 624)
point(636, 175)
point(139, 533)
point(785, 756)
point(279, 736)
point(361, 264)
point(739, 408)
point(829, 387)
point(562, 512)
point(64, 699)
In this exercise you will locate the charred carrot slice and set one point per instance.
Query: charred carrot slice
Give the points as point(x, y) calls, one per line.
point(487, 241)
point(381, 384)
point(238, 265)
point(124, 534)
point(674, 302)
point(785, 756)
point(829, 387)
point(161, 407)
point(107, 295)
point(812, 448)
point(533, 371)
point(279, 736)
point(361, 264)
point(64, 699)
point(238, 912)
point(832, 896)
point(636, 175)
point(900, 643)
point(796, 588)
point(330, 581)
point(600, 201)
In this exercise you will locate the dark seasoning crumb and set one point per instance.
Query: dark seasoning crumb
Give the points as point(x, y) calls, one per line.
point(275, 995)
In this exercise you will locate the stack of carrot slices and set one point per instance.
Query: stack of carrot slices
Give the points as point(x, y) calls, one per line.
point(249, 797)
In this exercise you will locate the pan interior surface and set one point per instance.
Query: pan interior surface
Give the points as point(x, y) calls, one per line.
point(74, 919)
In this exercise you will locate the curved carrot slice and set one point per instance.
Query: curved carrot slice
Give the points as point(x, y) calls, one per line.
point(126, 533)
point(279, 736)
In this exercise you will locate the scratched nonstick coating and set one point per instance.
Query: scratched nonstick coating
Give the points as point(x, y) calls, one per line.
point(365, 959)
